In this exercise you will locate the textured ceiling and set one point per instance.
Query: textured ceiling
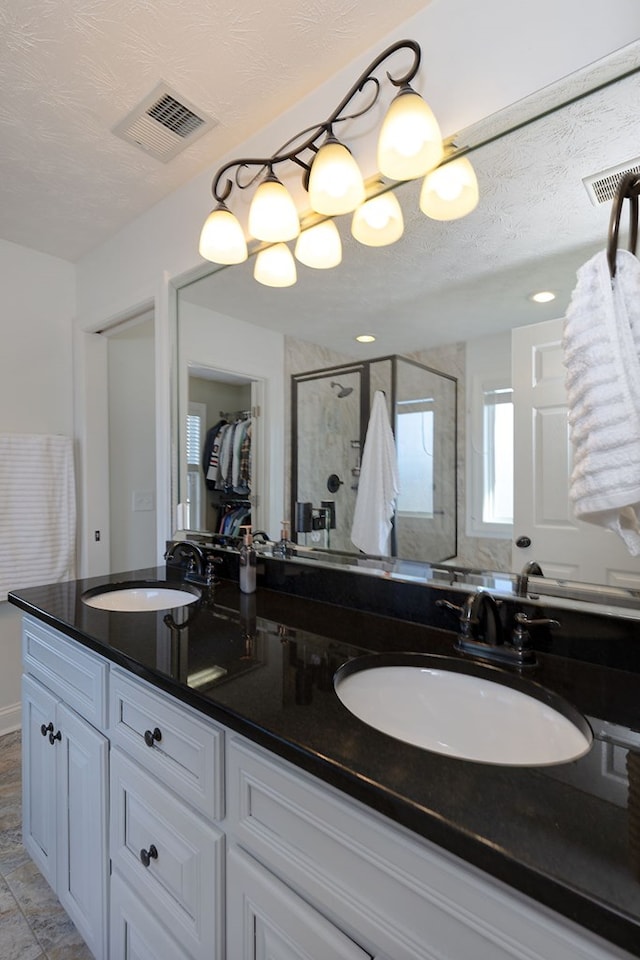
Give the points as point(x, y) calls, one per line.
point(443, 282)
point(70, 70)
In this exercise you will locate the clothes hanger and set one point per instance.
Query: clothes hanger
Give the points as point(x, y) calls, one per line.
point(628, 189)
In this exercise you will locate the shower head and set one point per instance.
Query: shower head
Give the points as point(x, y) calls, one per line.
point(342, 391)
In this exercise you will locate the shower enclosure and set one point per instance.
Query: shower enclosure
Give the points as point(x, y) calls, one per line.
point(330, 413)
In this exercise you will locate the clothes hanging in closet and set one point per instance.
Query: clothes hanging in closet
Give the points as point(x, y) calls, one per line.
point(229, 465)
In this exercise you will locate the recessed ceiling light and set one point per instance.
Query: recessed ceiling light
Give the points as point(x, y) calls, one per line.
point(544, 296)
point(365, 338)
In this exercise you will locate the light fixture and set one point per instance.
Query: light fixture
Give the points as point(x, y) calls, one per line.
point(365, 338)
point(272, 215)
point(320, 246)
point(222, 239)
point(335, 182)
point(451, 191)
point(409, 146)
point(410, 142)
point(275, 266)
point(379, 221)
point(544, 296)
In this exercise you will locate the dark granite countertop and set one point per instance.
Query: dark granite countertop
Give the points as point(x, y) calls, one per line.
point(559, 834)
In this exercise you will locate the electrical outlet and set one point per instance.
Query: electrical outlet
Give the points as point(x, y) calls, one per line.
point(142, 500)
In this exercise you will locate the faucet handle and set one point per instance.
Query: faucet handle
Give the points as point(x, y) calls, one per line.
point(520, 635)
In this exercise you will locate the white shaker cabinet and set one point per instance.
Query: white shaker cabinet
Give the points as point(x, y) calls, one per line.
point(65, 769)
point(267, 921)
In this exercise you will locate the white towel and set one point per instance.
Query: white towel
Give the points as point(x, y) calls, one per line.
point(601, 345)
point(37, 510)
point(378, 485)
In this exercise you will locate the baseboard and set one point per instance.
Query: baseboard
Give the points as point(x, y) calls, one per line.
point(10, 718)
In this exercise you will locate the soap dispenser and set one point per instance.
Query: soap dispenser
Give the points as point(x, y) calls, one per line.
point(283, 548)
point(247, 562)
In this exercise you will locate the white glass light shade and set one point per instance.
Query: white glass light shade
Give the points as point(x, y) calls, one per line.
point(410, 142)
point(222, 238)
point(379, 221)
point(272, 215)
point(275, 266)
point(320, 246)
point(335, 182)
point(450, 192)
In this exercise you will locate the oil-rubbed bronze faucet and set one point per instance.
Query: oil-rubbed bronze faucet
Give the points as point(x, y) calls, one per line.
point(482, 635)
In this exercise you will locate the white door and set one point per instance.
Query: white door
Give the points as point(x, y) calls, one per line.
point(82, 870)
point(564, 547)
point(38, 776)
point(268, 921)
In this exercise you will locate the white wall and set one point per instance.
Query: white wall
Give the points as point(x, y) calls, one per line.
point(38, 304)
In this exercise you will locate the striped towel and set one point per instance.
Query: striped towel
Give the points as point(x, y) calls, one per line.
point(37, 510)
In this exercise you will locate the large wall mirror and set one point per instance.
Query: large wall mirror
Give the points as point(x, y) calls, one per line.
point(456, 297)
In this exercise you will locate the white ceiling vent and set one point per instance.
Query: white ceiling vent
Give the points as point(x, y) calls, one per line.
point(601, 186)
point(164, 124)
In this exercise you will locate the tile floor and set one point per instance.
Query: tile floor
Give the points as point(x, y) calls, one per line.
point(33, 925)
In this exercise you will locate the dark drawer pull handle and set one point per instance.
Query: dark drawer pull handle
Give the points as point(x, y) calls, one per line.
point(148, 855)
point(152, 736)
point(45, 730)
point(54, 736)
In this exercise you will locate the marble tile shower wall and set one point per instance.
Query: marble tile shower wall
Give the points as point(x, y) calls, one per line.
point(33, 925)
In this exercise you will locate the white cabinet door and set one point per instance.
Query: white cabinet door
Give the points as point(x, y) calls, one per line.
point(83, 755)
point(64, 808)
point(563, 546)
point(38, 777)
point(268, 921)
point(135, 931)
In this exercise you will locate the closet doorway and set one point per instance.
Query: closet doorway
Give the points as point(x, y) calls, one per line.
point(132, 443)
point(219, 463)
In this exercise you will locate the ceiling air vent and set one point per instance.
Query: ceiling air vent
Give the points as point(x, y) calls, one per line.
point(164, 124)
point(601, 186)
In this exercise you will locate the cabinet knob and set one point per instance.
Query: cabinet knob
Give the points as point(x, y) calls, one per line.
point(45, 730)
point(152, 736)
point(54, 736)
point(148, 855)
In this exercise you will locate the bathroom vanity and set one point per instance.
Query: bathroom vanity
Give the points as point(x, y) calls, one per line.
point(194, 788)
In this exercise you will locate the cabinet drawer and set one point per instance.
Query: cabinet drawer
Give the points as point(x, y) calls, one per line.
point(135, 933)
point(170, 856)
point(76, 675)
point(185, 753)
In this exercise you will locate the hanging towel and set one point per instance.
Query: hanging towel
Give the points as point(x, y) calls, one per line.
point(601, 344)
point(37, 510)
point(378, 485)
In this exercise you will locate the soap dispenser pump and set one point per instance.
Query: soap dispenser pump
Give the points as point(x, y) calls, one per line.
point(247, 562)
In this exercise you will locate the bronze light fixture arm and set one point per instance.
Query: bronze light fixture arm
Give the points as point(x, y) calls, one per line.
point(223, 184)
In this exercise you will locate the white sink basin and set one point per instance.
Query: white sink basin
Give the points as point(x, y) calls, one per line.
point(140, 596)
point(463, 709)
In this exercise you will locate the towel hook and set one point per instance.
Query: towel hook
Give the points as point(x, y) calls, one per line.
point(628, 189)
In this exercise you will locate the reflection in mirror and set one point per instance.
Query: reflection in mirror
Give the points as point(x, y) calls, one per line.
point(330, 415)
point(457, 297)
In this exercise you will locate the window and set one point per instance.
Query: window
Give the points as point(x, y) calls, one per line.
point(497, 447)
point(414, 444)
point(194, 436)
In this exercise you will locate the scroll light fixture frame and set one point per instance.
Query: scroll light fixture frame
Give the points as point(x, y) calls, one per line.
point(318, 130)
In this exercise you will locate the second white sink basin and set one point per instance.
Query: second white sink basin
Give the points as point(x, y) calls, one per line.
point(463, 709)
point(140, 596)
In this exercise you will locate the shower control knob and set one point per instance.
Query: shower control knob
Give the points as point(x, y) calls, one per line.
point(334, 483)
